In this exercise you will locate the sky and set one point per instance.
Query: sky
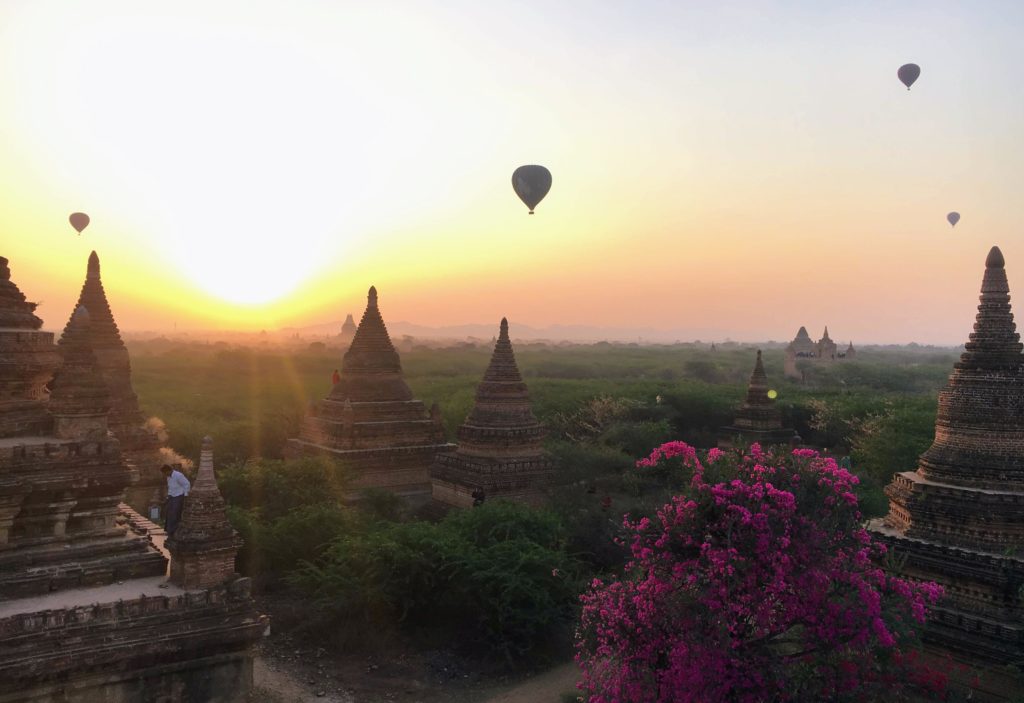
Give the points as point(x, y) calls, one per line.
point(729, 169)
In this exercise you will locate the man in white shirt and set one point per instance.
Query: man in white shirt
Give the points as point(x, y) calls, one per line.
point(177, 488)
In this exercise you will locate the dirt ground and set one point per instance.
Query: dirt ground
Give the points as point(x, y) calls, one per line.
point(290, 668)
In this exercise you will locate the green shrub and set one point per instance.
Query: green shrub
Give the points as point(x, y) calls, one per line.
point(496, 578)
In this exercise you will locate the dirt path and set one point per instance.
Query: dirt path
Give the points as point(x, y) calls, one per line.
point(548, 687)
point(272, 684)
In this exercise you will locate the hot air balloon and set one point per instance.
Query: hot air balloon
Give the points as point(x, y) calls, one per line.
point(531, 184)
point(953, 218)
point(908, 73)
point(79, 220)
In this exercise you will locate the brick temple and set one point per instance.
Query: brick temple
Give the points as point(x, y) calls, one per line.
point(805, 350)
point(500, 453)
point(348, 330)
point(370, 420)
point(87, 612)
point(141, 446)
point(758, 418)
point(959, 519)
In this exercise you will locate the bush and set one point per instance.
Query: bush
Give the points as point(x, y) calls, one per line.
point(273, 488)
point(756, 583)
point(496, 578)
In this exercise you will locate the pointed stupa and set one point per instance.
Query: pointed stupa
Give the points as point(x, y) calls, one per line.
point(371, 421)
point(348, 330)
point(125, 416)
point(758, 418)
point(959, 519)
point(824, 336)
point(983, 398)
point(501, 419)
point(501, 442)
point(79, 399)
point(204, 546)
point(371, 369)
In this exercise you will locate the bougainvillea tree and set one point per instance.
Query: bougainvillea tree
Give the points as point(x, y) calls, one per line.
point(756, 583)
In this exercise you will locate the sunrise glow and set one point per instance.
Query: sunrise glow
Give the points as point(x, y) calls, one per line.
point(718, 171)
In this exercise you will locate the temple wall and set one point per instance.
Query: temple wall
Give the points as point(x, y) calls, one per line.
point(452, 494)
point(219, 679)
point(193, 647)
point(203, 570)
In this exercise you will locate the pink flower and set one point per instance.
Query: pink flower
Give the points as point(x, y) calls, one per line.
point(726, 571)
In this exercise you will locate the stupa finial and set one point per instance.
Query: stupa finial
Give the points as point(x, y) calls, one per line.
point(995, 259)
point(93, 270)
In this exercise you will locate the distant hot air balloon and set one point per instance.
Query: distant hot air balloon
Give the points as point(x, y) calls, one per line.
point(79, 220)
point(908, 73)
point(531, 184)
point(953, 218)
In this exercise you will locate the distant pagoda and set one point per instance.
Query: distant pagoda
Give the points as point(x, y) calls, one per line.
point(758, 419)
point(141, 447)
point(808, 352)
point(500, 453)
point(959, 519)
point(802, 344)
point(348, 330)
point(371, 421)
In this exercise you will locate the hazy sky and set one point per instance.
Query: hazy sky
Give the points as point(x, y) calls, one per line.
point(742, 167)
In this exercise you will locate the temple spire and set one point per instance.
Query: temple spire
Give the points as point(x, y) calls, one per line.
point(371, 369)
point(501, 398)
point(204, 546)
point(982, 398)
point(104, 331)
point(994, 344)
point(79, 399)
point(500, 448)
point(758, 418)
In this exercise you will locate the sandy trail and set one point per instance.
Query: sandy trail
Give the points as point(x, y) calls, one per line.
point(545, 688)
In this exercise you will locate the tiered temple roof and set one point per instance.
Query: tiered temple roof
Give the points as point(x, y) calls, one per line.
point(370, 419)
point(758, 419)
point(500, 448)
point(85, 608)
point(141, 447)
point(28, 359)
point(802, 343)
point(959, 519)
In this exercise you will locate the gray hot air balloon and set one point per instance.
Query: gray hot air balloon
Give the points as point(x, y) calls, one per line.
point(79, 220)
point(953, 218)
point(531, 184)
point(908, 73)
